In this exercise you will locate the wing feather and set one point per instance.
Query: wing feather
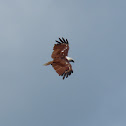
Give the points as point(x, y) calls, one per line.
point(62, 67)
point(61, 49)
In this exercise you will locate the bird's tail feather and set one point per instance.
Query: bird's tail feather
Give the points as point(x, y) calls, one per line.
point(48, 63)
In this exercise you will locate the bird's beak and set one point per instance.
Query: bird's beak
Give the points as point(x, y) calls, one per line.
point(73, 61)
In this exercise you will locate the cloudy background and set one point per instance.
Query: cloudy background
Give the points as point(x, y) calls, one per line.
point(34, 95)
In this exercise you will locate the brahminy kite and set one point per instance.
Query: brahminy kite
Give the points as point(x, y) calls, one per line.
point(61, 61)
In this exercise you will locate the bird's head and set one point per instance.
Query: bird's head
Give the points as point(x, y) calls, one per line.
point(69, 59)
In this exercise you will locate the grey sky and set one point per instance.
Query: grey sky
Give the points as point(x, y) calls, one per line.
point(34, 95)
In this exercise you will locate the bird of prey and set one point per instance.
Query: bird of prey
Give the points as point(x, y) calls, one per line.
point(61, 61)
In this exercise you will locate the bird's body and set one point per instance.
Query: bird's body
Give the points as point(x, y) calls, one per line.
point(60, 59)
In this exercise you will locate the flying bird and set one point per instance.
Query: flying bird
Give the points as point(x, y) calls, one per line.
point(61, 61)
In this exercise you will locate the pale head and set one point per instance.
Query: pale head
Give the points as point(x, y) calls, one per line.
point(69, 59)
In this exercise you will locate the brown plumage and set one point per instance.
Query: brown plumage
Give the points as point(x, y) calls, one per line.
point(60, 60)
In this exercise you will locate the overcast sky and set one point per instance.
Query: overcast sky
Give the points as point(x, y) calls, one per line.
point(34, 95)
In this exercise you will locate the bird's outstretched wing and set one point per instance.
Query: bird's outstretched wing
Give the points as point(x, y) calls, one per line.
point(62, 67)
point(61, 48)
